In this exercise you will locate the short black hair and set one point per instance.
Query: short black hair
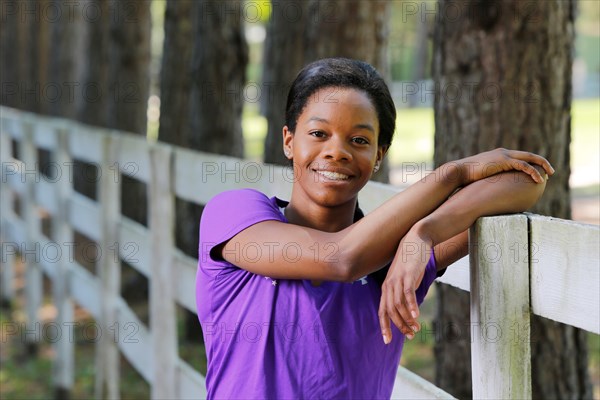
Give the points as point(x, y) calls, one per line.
point(343, 73)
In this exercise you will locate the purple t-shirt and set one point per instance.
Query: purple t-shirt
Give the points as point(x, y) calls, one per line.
point(287, 339)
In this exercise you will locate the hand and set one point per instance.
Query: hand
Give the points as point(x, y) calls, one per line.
point(484, 165)
point(398, 300)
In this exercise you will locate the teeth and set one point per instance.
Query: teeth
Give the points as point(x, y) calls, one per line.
point(333, 175)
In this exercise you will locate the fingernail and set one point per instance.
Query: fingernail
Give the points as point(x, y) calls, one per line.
point(414, 314)
point(414, 328)
point(386, 338)
point(552, 169)
point(410, 336)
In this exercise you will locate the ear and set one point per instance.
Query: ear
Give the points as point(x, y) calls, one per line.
point(288, 143)
point(381, 152)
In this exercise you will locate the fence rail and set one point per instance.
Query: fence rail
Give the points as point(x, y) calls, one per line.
point(513, 259)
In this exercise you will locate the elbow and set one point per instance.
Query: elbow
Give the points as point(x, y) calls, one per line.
point(345, 267)
point(344, 272)
point(351, 273)
point(537, 194)
point(336, 257)
point(529, 192)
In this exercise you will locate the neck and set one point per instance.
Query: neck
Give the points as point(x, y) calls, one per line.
point(326, 219)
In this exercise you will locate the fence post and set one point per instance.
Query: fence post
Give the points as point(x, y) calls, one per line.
point(162, 305)
point(31, 248)
point(62, 234)
point(500, 349)
point(107, 351)
point(7, 292)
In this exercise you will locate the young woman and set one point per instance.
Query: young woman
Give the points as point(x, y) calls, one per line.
point(291, 295)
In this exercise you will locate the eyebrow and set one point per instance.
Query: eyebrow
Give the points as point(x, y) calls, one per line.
point(368, 127)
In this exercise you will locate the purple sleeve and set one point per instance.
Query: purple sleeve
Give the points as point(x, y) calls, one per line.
point(227, 214)
point(428, 278)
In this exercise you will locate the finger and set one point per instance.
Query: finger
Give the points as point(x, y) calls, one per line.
point(411, 326)
point(411, 299)
point(401, 305)
point(546, 165)
point(384, 322)
point(392, 312)
point(528, 169)
point(533, 158)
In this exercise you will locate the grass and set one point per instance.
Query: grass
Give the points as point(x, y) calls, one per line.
point(28, 375)
point(23, 376)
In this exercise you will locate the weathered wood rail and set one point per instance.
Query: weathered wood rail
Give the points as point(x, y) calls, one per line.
point(519, 264)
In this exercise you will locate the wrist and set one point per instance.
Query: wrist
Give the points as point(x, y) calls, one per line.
point(421, 232)
point(455, 173)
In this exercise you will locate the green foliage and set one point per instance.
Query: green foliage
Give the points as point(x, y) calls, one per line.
point(258, 11)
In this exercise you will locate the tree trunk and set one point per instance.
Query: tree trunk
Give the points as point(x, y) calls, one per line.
point(44, 54)
point(503, 76)
point(175, 116)
point(129, 86)
point(421, 51)
point(11, 62)
point(284, 56)
point(218, 70)
point(62, 94)
point(96, 93)
point(18, 32)
point(23, 89)
point(32, 103)
point(349, 28)
point(175, 78)
point(129, 72)
point(318, 29)
point(202, 80)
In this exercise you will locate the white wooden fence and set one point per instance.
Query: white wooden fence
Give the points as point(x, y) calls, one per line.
point(519, 264)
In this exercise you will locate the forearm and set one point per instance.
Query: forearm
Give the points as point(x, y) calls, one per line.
point(369, 244)
point(372, 242)
point(508, 192)
point(505, 193)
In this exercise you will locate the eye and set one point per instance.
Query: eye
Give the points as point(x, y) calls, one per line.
point(317, 134)
point(360, 140)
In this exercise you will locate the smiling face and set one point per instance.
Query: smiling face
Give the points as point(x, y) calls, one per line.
point(334, 147)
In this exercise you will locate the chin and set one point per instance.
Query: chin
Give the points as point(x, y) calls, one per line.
point(336, 199)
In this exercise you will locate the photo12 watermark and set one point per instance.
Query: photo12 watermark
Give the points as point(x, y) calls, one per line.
point(53, 332)
point(528, 11)
point(70, 11)
point(70, 92)
point(51, 252)
point(272, 252)
point(54, 172)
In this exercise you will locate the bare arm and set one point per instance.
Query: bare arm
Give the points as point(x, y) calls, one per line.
point(450, 251)
point(363, 247)
point(507, 193)
point(369, 244)
point(445, 229)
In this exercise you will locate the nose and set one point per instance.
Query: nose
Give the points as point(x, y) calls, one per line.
point(337, 149)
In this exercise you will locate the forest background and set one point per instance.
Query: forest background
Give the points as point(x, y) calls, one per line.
point(406, 57)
